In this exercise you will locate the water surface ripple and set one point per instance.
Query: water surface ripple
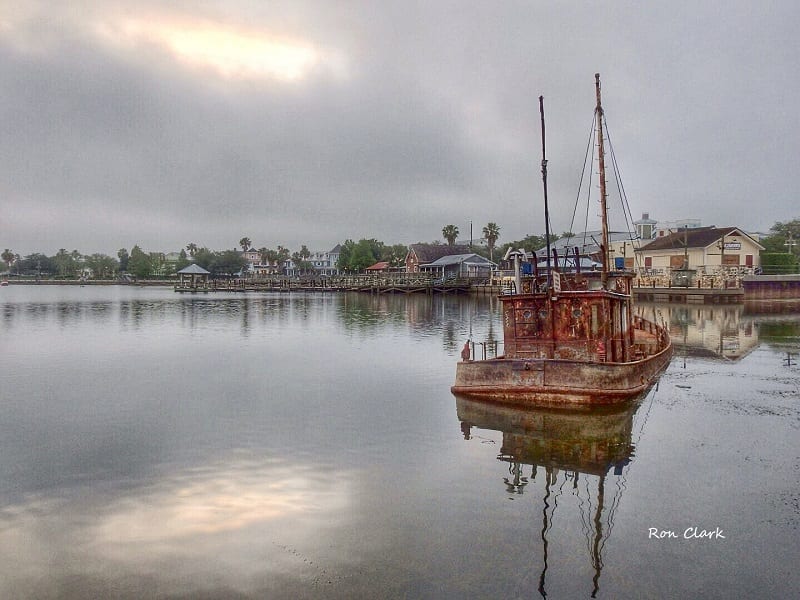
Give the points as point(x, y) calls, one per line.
point(157, 445)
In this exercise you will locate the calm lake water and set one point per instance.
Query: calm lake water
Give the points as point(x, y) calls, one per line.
point(156, 445)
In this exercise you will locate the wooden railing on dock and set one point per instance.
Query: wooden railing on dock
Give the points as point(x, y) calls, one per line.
point(384, 283)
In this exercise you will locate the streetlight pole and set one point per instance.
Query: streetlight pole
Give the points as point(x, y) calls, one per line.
point(790, 243)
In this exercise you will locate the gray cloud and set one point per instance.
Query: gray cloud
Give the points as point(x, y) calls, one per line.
point(419, 115)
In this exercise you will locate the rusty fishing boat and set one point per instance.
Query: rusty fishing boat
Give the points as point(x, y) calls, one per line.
point(571, 337)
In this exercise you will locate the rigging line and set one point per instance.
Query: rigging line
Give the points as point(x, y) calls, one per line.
point(589, 530)
point(621, 487)
point(618, 176)
point(583, 174)
point(582, 510)
point(543, 534)
point(626, 207)
point(556, 495)
point(593, 141)
point(652, 396)
point(615, 502)
point(555, 502)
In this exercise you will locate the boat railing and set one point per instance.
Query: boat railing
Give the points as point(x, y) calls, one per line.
point(659, 332)
point(485, 350)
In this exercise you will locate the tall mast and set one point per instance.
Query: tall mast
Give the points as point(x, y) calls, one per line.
point(602, 166)
point(546, 208)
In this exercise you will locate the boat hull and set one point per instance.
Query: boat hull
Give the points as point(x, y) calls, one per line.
point(557, 382)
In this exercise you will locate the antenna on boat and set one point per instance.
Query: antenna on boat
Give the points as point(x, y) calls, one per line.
point(546, 208)
point(602, 167)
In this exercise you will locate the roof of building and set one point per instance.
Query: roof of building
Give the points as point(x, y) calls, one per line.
point(378, 266)
point(699, 237)
point(428, 253)
point(193, 269)
point(456, 259)
point(586, 263)
point(587, 242)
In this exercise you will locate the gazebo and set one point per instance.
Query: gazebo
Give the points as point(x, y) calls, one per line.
point(193, 277)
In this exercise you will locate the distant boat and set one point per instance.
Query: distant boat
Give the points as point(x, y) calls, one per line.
point(3, 283)
point(570, 336)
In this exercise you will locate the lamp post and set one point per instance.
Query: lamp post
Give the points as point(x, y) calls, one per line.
point(790, 243)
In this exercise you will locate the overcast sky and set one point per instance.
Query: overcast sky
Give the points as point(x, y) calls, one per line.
point(159, 123)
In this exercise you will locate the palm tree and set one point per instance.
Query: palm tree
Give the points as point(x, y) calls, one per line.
point(63, 260)
point(245, 243)
point(490, 233)
point(192, 248)
point(450, 233)
point(8, 258)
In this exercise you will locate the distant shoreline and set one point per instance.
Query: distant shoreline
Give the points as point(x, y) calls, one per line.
point(93, 282)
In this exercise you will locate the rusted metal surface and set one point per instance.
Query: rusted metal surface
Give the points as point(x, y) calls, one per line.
point(582, 347)
point(554, 382)
point(582, 441)
point(570, 338)
point(602, 173)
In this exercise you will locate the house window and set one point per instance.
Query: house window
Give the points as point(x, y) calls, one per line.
point(730, 260)
point(677, 262)
point(748, 260)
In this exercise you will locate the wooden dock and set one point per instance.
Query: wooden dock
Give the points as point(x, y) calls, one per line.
point(689, 295)
point(395, 283)
point(753, 288)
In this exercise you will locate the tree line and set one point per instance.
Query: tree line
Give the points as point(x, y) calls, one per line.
point(782, 247)
point(354, 257)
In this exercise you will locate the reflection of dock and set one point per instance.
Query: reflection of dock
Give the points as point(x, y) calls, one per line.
point(405, 284)
point(689, 295)
point(754, 289)
point(715, 332)
point(759, 288)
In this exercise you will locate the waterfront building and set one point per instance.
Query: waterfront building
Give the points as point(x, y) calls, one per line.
point(645, 227)
point(379, 267)
point(665, 228)
point(422, 254)
point(252, 256)
point(323, 263)
point(459, 266)
point(707, 250)
point(621, 248)
point(193, 277)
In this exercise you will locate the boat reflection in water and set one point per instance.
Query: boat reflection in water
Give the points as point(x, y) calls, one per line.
point(576, 450)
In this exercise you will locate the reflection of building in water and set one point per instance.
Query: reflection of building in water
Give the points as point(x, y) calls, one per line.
point(450, 315)
point(708, 331)
point(576, 450)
